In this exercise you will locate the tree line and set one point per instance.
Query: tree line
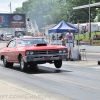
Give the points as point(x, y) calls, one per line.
point(47, 12)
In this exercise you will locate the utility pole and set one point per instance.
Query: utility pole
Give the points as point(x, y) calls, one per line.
point(10, 7)
point(89, 21)
point(68, 15)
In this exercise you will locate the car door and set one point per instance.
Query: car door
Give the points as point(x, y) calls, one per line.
point(12, 51)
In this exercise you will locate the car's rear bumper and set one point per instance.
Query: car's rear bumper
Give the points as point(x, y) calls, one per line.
point(49, 57)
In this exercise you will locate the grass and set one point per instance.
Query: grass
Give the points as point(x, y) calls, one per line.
point(86, 37)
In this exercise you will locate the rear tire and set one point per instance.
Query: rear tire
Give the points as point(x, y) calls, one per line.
point(23, 65)
point(58, 63)
point(7, 64)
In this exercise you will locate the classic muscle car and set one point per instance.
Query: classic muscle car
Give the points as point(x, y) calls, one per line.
point(29, 51)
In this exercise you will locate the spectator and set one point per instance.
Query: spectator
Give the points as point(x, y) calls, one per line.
point(2, 36)
point(70, 43)
point(57, 37)
point(61, 36)
point(63, 40)
point(53, 37)
point(84, 33)
point(95, 37)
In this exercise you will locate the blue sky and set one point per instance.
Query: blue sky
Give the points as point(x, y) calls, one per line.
point(4, 8)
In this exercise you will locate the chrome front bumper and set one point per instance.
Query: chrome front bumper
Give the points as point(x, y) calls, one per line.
point(49, 57)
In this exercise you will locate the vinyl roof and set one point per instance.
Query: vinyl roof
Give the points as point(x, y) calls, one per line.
point(97, 5)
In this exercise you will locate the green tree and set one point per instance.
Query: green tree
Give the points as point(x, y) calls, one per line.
point(46, 12)
point(99, 18)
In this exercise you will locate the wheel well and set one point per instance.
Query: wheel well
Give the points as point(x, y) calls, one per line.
point(2, 57)
point(19, 56)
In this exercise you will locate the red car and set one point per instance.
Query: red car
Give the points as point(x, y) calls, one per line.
point(30, 51)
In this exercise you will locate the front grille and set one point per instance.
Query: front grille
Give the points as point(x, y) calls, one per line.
point(46, 52)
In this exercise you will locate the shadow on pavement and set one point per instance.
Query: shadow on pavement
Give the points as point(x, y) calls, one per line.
point(38, 70)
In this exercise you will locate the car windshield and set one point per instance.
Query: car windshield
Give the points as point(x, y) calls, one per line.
point(31, 41)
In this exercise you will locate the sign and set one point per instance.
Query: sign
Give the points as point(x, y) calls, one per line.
point(95, 42)
point(12, 21)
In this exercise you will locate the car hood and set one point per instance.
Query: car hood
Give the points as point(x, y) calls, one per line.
point(47, 47)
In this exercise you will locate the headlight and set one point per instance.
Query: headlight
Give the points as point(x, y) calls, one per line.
point(27, 52)
point(64, 51)
point(31, 52)
point(60, 51)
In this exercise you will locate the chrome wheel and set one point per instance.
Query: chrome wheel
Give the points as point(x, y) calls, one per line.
point(4, 61)
point(23, 65)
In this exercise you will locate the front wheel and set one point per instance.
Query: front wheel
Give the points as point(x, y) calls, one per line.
point(7, 64)
point(23, 65)
point(58, 63)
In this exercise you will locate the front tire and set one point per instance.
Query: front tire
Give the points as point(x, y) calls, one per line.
point(23, 65)
point(7, 64)
point(58, 63)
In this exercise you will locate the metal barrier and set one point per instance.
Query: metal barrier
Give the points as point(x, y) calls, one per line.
point(83, 54)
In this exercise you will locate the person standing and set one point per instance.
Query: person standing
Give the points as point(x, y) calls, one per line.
point(2, 36)
point(63, 40)
point(70, 43)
